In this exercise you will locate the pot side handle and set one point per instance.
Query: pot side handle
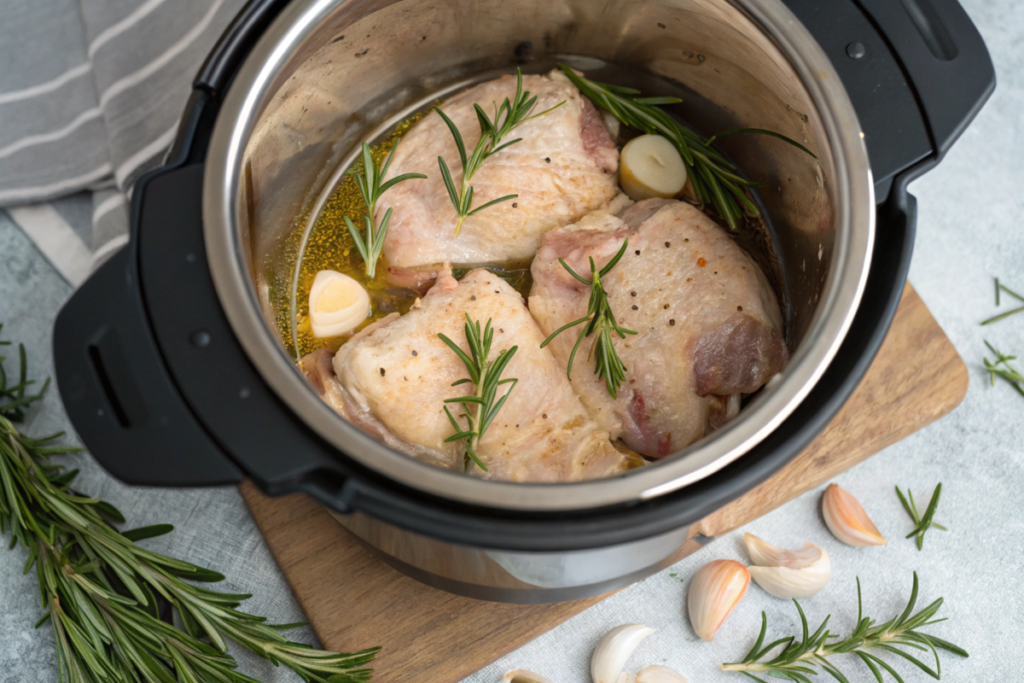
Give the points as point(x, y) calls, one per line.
point(117, 390)
point(917, 73)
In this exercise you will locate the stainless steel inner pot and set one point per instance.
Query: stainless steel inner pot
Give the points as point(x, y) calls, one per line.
point(328, 74)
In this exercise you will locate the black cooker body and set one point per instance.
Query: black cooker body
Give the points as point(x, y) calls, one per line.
point(162, 393)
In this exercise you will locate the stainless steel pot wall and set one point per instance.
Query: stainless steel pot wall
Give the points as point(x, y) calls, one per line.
point(327, 75)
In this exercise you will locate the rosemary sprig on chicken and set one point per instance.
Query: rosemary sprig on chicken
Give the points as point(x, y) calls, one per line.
point(797, 657)
point(480, 407)
point(100, 589)
point(493, 132)
point(371, 187)
point(599, 319)
point(714, 179)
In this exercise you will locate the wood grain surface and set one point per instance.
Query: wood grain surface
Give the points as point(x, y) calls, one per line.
point(353, 600)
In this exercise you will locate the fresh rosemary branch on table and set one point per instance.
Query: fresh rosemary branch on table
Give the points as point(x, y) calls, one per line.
point(99, 588)
point(507, 116)
point(921, 524)
point(599, 319)
point(797, 657)
point(486, 375)
point(371, 187)
point(714, 179)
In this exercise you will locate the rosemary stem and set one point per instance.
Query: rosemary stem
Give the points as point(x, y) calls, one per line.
point(475, 415)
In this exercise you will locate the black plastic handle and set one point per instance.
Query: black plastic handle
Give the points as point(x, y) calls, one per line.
point(917, 72)
point(117, 390)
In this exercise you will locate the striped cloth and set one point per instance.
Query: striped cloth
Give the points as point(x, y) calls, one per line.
point(91, 92)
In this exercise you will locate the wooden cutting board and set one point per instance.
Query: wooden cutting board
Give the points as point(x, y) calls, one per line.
point(428, 636)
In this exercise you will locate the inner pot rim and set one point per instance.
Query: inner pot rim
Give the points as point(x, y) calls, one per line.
point(855, 227)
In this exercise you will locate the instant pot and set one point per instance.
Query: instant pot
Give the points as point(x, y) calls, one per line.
point(169, 358)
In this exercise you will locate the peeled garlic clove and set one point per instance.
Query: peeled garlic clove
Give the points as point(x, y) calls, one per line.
point(788, 574)
point(337, 304)
point(523, 676)
point(650, 166)
point(714, 592)
point(764, 554)
point(847, 520)
point(627, 677)
point(610, 655)
point(659, 674)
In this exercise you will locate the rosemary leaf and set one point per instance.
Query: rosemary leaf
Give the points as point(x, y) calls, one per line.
point(1001, 367)
point(100, 589)
point(921, 523)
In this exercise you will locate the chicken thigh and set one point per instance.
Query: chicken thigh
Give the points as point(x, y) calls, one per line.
point(564, 166)
point(708, 325)
point(392, 378)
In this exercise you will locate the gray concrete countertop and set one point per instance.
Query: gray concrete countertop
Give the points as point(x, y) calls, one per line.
point(968, 232)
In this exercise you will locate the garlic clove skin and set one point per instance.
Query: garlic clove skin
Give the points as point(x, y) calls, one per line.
point(714, 592)
point(764, 554)
point(523, 676)
point(337, 304)
point(659, 674)
point(650, 166)
point(610, 655)
point(847, 520)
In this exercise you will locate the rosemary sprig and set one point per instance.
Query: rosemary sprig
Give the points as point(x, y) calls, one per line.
point(1007, 372)
point(371, 186)
point(714, 179)
point(797, 658)
point(100, 589)
point(599, 319)
point(921, 524)
point(507, 116)
point(1003, 288)
point(486, 375)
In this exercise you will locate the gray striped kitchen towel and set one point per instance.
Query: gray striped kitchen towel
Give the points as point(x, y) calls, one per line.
point(91, 92)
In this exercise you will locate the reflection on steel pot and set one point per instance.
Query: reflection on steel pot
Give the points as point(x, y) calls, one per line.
point(282, 106)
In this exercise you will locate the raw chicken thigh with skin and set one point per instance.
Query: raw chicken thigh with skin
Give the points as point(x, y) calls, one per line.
point(393, 377)
point(564, 166)
point(709, 326)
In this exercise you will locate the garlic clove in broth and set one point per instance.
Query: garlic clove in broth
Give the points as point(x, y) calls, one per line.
point(785, 573)
point(659, 674)
point(337, 304)
point(610, 655)
point(847, 520)
point(650, 166)
point(523, 676)
point(714, 592)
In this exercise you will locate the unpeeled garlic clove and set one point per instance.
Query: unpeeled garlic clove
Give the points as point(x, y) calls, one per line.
point(659, 674)
point(847, 520)
point(785, 573)
point(523, 676)
point(610, 655)
point(714, 591)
